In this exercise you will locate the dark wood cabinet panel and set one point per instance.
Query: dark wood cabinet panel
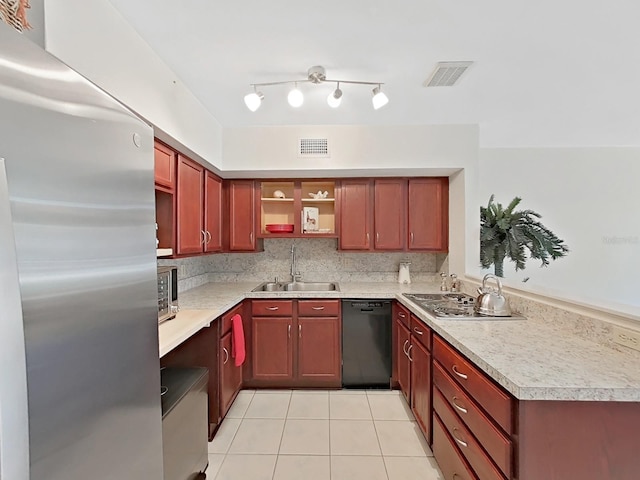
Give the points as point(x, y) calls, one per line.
point(389, 212)
point(319, 348)
point(267, 308)
point(165, 165)
point(469, 447)
point(450, 461)
point(355, 215)
point(242, 220)
point(403, 341)
point(421, 387)
point(272, 348)
point(488, 395)
point(315, 308)
point(228, 374)
point(212, 212)
point(494, 442)
point(428, 208)
point(190, 203)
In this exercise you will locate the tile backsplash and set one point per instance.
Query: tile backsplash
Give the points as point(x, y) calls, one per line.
point(317, 259)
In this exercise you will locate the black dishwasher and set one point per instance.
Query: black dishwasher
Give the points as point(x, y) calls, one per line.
point(366, 343)
point(185, 425)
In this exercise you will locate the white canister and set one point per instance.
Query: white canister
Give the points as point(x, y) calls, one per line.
point(403, 273)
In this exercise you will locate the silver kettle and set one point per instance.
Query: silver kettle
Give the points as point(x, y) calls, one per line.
point(491, 303)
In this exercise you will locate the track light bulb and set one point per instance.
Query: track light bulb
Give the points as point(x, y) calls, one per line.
point(295, 97)
point(335, 98)
point(253, 100)
point(379, 99)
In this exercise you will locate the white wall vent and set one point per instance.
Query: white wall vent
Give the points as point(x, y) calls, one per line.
point(446, 74)
point(313, 148)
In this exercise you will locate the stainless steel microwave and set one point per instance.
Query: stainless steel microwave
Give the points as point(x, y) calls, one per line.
point(167, 293)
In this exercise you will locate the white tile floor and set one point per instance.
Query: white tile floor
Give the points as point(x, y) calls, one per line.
point(320, 435)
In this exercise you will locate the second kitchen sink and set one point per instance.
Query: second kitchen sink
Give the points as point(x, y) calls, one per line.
point(297, 287)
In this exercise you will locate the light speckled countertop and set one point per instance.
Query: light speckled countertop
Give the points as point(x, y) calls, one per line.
point(533, 360)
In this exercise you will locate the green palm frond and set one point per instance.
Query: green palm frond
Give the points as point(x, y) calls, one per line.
point(507, 233)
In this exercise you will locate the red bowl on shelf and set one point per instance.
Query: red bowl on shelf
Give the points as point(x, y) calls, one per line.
point(279, 228)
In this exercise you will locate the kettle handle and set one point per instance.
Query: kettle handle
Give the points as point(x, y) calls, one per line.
point(494, 277)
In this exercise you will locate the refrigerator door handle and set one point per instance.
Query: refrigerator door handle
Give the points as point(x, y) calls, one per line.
point(14, 419)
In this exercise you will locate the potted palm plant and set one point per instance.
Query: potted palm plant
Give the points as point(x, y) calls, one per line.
point(510, 233)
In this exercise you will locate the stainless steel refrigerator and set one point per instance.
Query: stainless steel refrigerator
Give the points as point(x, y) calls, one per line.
point(79, 367)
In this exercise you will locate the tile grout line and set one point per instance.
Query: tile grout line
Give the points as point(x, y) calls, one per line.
point(226, 453)
point(377, 438)
point(284, 426)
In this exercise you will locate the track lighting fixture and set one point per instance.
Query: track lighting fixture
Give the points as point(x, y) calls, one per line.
point(335, 98)
point(295, 97)
point(315, 75)
point(253, 100)
point(379, 99)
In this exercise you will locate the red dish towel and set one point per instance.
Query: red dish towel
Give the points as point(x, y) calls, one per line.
point(238, 350)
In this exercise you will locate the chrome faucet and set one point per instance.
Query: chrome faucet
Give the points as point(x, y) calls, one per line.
point(295, 274)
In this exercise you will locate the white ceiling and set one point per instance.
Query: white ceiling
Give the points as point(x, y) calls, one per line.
point(546, 73)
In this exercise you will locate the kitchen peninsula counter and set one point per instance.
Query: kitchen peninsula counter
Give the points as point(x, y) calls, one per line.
point(533, 359)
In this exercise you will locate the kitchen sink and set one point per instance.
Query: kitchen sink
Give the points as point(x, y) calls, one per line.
point(297, 287)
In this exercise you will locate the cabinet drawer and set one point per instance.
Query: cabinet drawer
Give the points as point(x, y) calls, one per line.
point(497, 403)
point(226, 318)
point(494, 442)
point(451, 463)
point(401, 313)
point(318, 308)
point(266, 308)
point(421, 332)
point(467, 444)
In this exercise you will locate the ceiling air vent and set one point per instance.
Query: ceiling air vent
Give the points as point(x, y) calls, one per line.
point(447, 74)
point(313, 148)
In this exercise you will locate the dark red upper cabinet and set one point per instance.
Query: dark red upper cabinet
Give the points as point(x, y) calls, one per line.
point(389, 213)
point(355, 215)
point(428, 208)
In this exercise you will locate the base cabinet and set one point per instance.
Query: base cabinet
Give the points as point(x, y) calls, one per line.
point(295, 343)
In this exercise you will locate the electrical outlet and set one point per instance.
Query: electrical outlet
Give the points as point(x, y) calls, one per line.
point(626, 337)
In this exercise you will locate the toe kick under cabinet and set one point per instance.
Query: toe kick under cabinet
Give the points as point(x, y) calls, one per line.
point(294, 343)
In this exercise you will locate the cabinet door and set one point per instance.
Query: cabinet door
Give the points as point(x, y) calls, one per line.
point(271, 349)
point(190, 202)
point(241, 215)
point(319, 349)
point(355, 215)
point(389, 211)
point(228, 374)
point(403, 342)
point(428, 214)
point(212, 212)
point(165, 165)
point(421, 387)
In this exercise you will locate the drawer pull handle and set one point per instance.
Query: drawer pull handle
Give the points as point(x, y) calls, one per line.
point(419, 332)
point(299, 331)
point(273, 309)
point(402, 315)
point(404, 347)
point(460, 374)
point(409, 353)
point(458, 407)
point(318, 308)
point(455, 476)
point(289, 330)
point(226, 358)
point(460, 442)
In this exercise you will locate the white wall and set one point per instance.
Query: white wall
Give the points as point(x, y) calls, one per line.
point(590, 198)
point(92, 38)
